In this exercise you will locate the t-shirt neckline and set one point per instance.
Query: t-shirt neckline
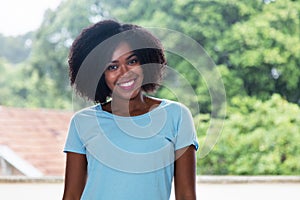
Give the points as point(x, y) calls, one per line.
point(99, 108)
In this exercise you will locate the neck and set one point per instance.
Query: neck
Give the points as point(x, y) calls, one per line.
point(130, 107)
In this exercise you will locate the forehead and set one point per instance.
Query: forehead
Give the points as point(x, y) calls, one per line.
point(122, 49)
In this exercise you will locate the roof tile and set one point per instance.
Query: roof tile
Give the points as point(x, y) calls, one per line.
point(37, 136)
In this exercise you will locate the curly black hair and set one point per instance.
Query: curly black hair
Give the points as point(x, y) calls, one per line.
point(93, 48)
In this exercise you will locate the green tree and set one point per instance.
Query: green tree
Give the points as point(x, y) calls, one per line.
point(4, 89)
point(15, 49)
point(259, 138)
point(47, 68)
point(11, 84)
point(264, 51)
point(245, 36)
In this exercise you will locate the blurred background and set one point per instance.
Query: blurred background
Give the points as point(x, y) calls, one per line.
point(255, 46)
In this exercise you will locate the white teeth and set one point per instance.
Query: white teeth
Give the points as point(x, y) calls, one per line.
point(127, 84)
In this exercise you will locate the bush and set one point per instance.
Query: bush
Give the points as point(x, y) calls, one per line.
point(258, 138)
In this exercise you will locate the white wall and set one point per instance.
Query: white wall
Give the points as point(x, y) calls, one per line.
point(252, 191)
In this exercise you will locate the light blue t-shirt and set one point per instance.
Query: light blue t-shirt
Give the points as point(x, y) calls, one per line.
point(130, 158)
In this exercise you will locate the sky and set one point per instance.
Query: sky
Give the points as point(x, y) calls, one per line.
point(21, 16)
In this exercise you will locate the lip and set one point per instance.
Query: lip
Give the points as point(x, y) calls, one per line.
point(127, 84)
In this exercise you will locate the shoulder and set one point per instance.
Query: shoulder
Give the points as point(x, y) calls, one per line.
point(175, 110)
point(175, 106)
point(85, 122)
point(85, 112)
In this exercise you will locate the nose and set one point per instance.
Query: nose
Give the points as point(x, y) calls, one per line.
point(124, 68)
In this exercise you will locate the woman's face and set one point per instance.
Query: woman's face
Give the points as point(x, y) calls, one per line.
point(124, 75)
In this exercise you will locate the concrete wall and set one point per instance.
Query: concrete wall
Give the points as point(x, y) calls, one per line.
point(208, 188)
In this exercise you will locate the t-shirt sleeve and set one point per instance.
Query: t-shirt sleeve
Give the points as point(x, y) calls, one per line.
point(186, 133)
point(73, 141)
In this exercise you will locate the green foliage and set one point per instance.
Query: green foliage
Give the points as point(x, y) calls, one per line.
point(258, 138)
point(257, 42)
point(46, 70)
point(265, 51)
point(15, 49)
point(5, 73)
point(12, 85)
point(256, 49)
point(245, 37)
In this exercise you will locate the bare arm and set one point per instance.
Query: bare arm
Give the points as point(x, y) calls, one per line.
point(75, 176)
point(185, 174)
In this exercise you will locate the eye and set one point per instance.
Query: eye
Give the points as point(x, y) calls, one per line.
point(133, 61)
point(112, 67)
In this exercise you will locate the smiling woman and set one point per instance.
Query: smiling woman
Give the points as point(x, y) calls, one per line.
point(19, 17)
point(129, 145)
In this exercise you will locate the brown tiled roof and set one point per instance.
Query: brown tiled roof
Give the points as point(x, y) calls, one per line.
point(37, 136)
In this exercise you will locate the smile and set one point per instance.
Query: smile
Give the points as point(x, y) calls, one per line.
point(127, 85)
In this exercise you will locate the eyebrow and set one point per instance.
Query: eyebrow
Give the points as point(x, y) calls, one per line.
point(130, 56)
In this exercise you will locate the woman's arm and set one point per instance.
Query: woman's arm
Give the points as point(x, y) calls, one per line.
point(185, 174)
point(75, 176)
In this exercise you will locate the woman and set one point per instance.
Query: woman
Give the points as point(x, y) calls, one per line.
point(128, 145)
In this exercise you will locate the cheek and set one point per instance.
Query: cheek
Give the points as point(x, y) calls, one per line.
point(109, 79)
point(139, 71)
